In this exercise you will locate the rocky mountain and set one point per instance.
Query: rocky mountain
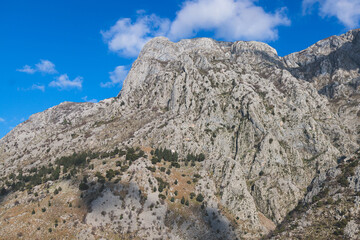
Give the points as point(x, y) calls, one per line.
point(206, 140)
point(330, 209)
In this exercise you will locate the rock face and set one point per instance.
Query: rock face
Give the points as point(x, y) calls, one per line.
point(267, 125)
point(330, 210)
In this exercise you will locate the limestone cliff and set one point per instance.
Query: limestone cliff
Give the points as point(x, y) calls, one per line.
point(267, 125)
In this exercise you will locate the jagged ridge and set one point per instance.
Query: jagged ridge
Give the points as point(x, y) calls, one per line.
point(266, 123)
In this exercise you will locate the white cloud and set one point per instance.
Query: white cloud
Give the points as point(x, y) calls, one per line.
point(38, 87)
point(33, 87)
point(44, 66)
point(128, 38)
point(63, 82)
point(116, 77)
point(346, 11)
point(89, 100)
point(2, 120)
point(227, 19)
point(27, 69)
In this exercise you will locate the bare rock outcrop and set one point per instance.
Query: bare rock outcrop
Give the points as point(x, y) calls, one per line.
point(268, 125)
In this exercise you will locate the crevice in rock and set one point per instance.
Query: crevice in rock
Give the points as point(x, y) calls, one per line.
point(237, 142)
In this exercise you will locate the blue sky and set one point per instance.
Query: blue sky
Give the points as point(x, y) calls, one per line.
point(56, 51)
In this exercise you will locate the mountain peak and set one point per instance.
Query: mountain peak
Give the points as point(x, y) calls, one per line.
point(208, 139)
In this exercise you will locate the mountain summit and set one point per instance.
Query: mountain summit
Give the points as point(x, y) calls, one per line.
point(206, 140)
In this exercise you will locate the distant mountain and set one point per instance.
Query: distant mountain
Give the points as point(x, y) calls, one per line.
point(206, 140)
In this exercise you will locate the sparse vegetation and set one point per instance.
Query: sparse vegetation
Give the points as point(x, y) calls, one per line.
point(200, 197)
point(83, 186)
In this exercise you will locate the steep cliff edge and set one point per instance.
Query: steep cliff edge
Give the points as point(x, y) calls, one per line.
point(267, 126)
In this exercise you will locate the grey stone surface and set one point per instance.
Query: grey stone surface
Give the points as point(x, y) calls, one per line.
point(268, 125)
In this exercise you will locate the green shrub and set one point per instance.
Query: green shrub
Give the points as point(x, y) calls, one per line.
point(195, 158)
point(152, 169)
point(341, 223)
point(339, 232)
point(175, 164)
point(83, 186)
point(124, 168)
point(110, 174)
point(343, 181)
point(200, 197)
point(166, 154)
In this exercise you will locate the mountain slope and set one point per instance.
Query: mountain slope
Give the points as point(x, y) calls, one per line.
point(266, 125)
point(330, 209)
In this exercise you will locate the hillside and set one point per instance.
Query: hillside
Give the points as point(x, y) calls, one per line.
point(206, 140)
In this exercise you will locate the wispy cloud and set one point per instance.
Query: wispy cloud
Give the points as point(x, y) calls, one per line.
point(227, 19)
point(346, 11)
point(27, 69)
point(63, 82)
point(2, 120)
point(116, 77)
point(33, 87)
point(89, 100)
point(38, 87)
point(44, 66)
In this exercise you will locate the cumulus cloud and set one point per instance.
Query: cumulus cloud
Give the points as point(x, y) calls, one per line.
point(227, 19)
point(346, 11)
point(63, 82)
point(89, 100)
point(47, 67)
point(2, 120)
point(127, 38)
point(116, 77)
point(44, 66)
